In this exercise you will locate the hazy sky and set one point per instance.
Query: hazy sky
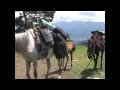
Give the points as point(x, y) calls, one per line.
point(95, 16)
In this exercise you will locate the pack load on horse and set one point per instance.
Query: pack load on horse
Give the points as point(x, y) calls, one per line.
point(42, 26)
point(46, 24)
point(43, 32)
point(59, 37)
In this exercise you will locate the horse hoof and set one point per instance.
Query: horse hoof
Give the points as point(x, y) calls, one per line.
point(59, 77)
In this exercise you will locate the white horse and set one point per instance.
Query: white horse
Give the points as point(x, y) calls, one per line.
point(25, 45)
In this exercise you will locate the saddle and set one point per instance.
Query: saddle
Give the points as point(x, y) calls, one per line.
point(97, 38)
point(43, 41)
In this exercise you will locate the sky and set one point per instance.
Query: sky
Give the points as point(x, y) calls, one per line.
point(95, 16)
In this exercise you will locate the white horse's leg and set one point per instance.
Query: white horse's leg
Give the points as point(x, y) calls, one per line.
point(48, 67)
point(28, 65)
point(35, 69)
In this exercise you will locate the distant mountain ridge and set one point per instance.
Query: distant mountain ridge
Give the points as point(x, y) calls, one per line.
point(80, 30)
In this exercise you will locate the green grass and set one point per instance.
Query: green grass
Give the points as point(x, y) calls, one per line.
point(78, 70)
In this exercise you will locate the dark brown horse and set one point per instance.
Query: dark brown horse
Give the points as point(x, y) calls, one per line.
point(96, 44)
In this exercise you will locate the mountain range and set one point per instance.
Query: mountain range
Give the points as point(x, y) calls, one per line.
point(80, 30)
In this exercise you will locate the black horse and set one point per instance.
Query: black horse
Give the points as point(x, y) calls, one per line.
point(96, 44)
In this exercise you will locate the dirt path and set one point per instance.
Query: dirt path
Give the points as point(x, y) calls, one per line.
point(20, 68)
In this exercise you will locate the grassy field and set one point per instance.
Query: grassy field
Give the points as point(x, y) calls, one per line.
point(77, 72)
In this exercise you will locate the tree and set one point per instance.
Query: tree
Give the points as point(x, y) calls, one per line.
point(30, 16)
point(46, 15)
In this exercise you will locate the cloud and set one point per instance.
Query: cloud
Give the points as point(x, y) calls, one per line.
point(95, 16)
point(87, 13)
